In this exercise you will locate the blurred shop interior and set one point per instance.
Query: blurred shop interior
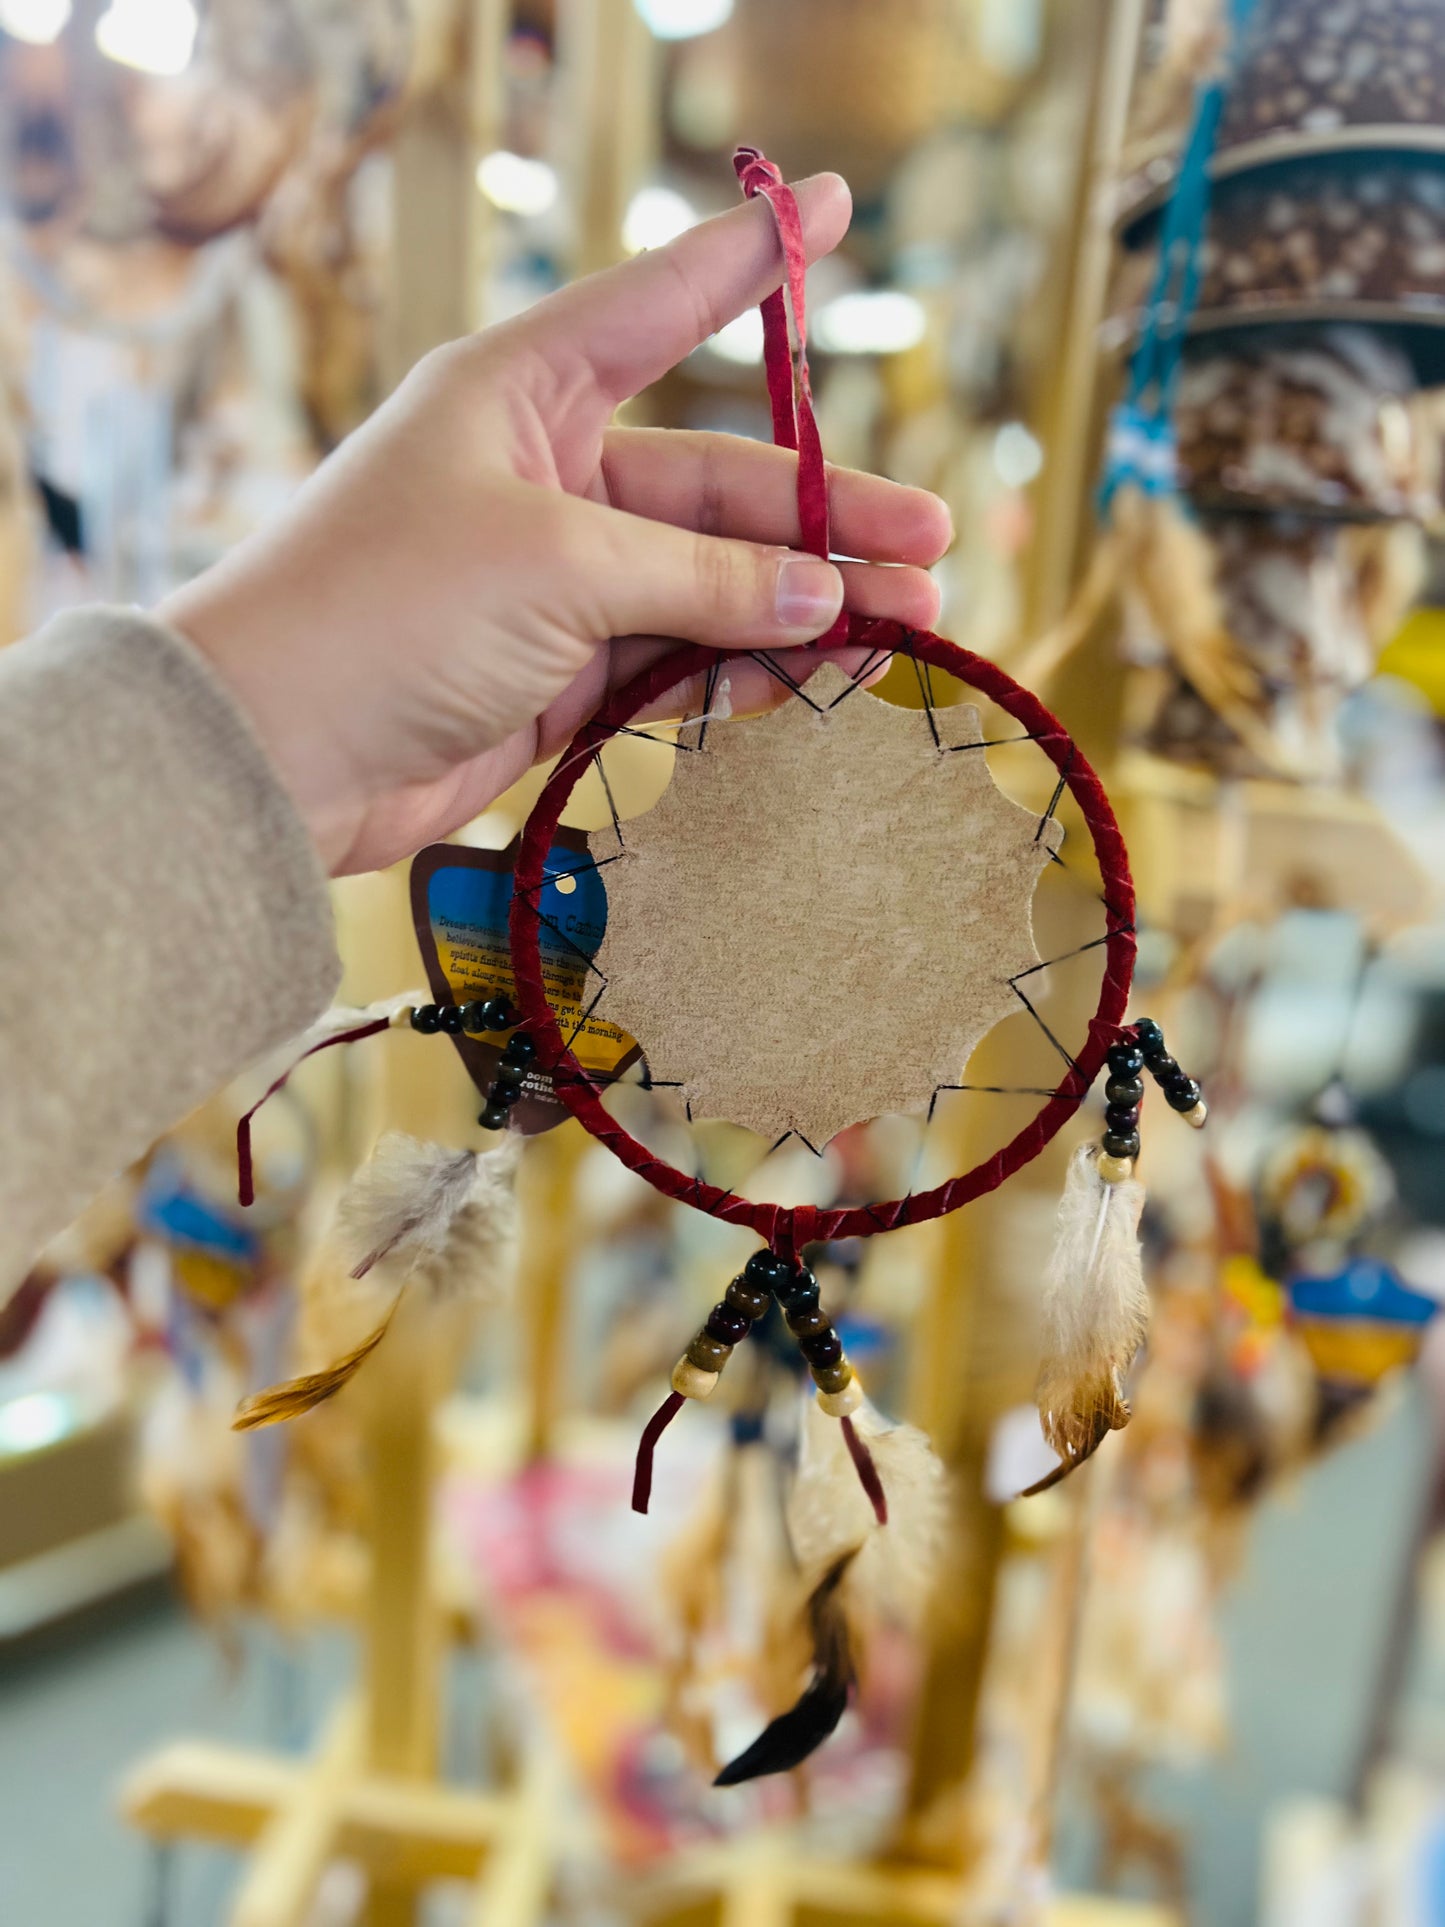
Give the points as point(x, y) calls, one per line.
point(412, 1658)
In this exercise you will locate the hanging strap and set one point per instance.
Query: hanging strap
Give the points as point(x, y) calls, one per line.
point(785, 357)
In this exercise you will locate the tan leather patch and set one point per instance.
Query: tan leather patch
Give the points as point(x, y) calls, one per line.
point(819, 919)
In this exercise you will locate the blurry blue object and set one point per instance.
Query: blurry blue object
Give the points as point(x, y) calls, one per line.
point(1430, 1870)
point(746, 1427)
point(1365, 1288)
point(864, 1338)
point(1139, 448)
point(171, 1208)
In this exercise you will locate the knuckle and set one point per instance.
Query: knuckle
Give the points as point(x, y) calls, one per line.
point(727, 575)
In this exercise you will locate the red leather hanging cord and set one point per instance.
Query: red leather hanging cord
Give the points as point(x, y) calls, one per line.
point(789, 391)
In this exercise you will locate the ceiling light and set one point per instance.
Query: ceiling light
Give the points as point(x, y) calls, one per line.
point(33, 1421)
point(157, 36)
point(656, 215)
point(683, 19)
point(870, 321)
point(515, 184)
point(1017, 456)
point(36, 21)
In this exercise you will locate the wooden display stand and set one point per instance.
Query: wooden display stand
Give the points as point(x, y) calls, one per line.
point(1207, 853)
point(370, 1794)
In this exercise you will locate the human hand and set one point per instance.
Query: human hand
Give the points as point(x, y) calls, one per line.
point(467, 579)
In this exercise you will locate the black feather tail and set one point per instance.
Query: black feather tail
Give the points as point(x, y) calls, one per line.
point(794, 1735)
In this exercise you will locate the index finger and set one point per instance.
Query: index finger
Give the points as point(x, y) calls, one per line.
point(630, 324)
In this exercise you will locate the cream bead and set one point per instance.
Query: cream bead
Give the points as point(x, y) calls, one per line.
point(1113, 1170)
point(691, 1380)
point(841, 1404)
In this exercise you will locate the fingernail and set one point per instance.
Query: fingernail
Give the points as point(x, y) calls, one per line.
point(810, 594)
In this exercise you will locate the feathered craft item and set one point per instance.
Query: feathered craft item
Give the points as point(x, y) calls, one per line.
point(1096, 1311)
point(1096, 1305)
point(415, 1215)
point(864, 1565)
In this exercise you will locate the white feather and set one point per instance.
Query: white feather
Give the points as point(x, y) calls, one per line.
point(421, 1213)
point(1095, 1308)
point(344, 1017)
point(829, 1513)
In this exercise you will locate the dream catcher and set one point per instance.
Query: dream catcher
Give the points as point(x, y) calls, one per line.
point(806, 936)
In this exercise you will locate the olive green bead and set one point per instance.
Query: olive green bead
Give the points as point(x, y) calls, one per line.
point(832, 1378)
point(709, 1354)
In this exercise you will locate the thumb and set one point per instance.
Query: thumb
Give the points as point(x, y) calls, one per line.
point(638, 577)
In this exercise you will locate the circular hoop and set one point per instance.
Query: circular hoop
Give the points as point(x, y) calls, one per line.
point(788, 1228)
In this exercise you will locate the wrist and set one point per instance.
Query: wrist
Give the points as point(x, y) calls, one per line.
point(288, 720)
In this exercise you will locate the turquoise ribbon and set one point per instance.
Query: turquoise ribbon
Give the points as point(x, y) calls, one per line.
point(1140, 448)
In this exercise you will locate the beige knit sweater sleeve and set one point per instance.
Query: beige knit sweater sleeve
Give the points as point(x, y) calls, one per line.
point(163, 915)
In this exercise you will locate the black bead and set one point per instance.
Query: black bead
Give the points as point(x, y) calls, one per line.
point(1181, 1094)
point(749, 1299)
point(509, 1077)
point(1149, 1037)
point(1121, 1119)
point(1161, 1069)
point(427, 1018)
point(494, 1117)
point(799, 1292)
point(474, 1017)
point(504, 1094)
point(493, 1013)
point(1124, 1090)
point(767, 1268)
point(1125, 1060)
point(1118, 1146)
point(521, 1049)
point(451, 1017)
point(824, 1348)
point(725, 1323)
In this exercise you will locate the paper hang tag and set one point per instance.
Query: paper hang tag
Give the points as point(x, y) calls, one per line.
point(461, 899)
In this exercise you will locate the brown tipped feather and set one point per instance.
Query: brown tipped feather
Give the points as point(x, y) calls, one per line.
point(298, 1395)
point(1077, 1436)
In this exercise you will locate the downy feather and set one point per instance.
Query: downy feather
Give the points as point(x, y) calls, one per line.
point(421, 1213)
point(414, 1214)
point(829, 1512)
point(855, 1567)
point(1095, 1310)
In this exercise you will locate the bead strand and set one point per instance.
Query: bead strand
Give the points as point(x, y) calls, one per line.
point(507, 1084)
point(1123, 1094)
point(485, 1014)
point(839, 1392)
point(476, 1019)
point(728, 1323)
point(1181, 1091)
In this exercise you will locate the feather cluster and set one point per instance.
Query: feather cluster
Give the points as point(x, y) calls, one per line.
point(419, 1213)
point(414, 1214)
point(829, 1512)
point(789, 1739)
point(1096, 1311)
point(859, 1567)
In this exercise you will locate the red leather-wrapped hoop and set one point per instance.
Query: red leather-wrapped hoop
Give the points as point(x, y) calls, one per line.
point(787, 1229)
